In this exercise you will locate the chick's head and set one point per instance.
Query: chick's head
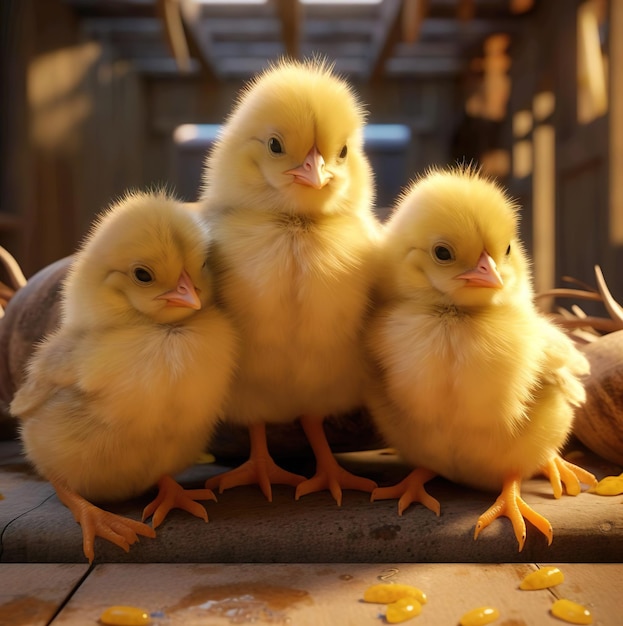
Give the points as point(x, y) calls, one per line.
point(293, 144)
point(454, 237)
point(145, 257)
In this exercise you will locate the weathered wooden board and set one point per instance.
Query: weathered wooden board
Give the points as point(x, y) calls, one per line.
point(245, 528)
point(330, 594)
point(30, 595)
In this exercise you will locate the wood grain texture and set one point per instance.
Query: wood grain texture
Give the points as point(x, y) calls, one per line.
point(330, 594)
point(30, 595)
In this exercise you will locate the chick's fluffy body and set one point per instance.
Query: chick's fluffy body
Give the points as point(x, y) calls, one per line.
point(294, 263)
point(128, 389)
point(472, 383)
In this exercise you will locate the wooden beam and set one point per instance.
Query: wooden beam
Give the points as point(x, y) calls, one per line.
point(413, 14)
point(384, 36)
point(521, 6)
point(169, 13)
point(112, 8)
point(135, 27)
point(465, 10)
point(423, 67)
point(289, 12)
point(165, 67)
point(198, 38)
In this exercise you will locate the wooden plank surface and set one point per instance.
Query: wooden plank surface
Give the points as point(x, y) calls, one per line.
point(245, 528)
point(30, 595)
point(331, 594)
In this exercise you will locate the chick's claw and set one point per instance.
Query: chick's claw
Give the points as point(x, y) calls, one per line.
point(334, 478)
point(562, 472)
point(121, 531)
point(329, 474)
point(263, 472)
point(171, 495)
point(96, 522)
point(410, 490)
point(510, 504)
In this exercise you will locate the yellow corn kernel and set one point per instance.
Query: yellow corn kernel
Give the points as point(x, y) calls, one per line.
point(125, 616)
point(610, 486)
point(402, 610)
point(543, 578)
point(571, 612)
point(204, 458)
point(480, 616)
point(385, 593)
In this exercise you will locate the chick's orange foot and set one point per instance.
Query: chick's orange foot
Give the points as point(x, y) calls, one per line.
point(96, 522)
point(329, 475)
point(409, 490)
point(171, 495)
point(562, 472)
point(334, 478)
point(256, 471)
point(510, 504)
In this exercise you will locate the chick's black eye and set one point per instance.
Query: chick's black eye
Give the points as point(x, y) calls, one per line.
point(274, 145)
point(344, 152)
point(142, 275)
point(443, 253)
point(508, 250)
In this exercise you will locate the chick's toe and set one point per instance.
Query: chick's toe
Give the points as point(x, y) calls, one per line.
point(409, 490)
point(510, 504)
point(171, 495)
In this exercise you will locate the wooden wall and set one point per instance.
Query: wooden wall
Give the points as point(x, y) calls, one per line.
point(545, 60)
point(80, 126)
point(76, 118)
point(85, 127)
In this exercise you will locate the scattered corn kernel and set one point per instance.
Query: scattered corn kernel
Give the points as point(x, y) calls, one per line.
point(125, 616)
point(480, 616)
point(543, 578)
point(384, 593)
point(571, 612)
point(204, 458)
point(610, 486)
point(402, 610)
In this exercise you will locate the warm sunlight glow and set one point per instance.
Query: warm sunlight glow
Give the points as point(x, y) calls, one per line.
point(543, 105)
point(592, 75)
point(522, 123)
point(496, 162)
point(490, 100)
point(522, 148)
point(58, 101)
point(544, 207)
point(616, 124)
point(522, 159)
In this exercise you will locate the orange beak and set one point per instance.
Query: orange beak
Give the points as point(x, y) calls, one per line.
point(183, 295)
point(312, 171)
point(485, 274)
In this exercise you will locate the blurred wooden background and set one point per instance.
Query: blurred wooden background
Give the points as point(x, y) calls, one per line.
point(94, 90)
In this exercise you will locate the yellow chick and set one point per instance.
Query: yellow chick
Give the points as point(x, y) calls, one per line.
point(288, 193)
point(470, 381)
point(128, 390)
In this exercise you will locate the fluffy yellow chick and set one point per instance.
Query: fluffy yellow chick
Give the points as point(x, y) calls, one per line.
point(288, 195)
point(128, 390)
point(470, 381)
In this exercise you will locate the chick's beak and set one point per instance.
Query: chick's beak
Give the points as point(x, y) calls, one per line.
point(312, 171)
point(485, 274)
point(183, 294)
